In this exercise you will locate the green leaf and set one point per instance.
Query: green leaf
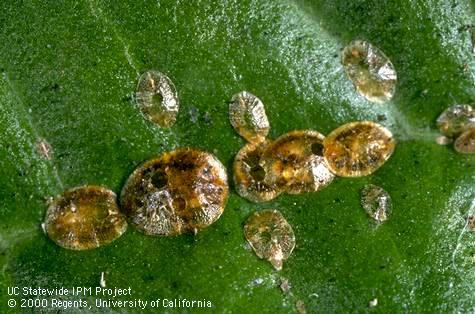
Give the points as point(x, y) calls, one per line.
point(68, 70)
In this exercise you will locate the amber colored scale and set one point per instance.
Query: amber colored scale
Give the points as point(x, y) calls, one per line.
point(294, 162)
point(270, 236)
point(358, 148)
point(157, 98)
point(84, 218)
point(180, 191)
point(249, 176)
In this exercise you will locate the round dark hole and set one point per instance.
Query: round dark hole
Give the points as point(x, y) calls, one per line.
point(317, 149)
point(159, 179)
point(253, 159)
point(258, 173)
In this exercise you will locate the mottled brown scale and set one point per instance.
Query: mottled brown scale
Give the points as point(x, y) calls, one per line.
point(465, 143)
point(84, 218)
point(157, 98)
point(294, 162)
point(248, 117)
point(249, 176)
point(370, 70)
point(180, 191)
point(358, 148)
point(270, 236)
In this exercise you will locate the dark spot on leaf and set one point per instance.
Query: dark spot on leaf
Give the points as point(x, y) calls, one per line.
point(148, 277)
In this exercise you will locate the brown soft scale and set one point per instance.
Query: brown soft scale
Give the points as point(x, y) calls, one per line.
point(191, 193)
point(84, 218)
point(249, 175)
point(370, 70)
point(376, 202)
point(270, 236)
point(248, 117)
point(358, 148)
point(294, 162)
point(157, 98)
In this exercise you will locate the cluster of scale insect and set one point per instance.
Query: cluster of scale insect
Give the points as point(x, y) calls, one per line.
point(305, 160)
point(297, 162)
point(186, 190)
point(457, 124)
point(264, 168)
point(180, 191)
